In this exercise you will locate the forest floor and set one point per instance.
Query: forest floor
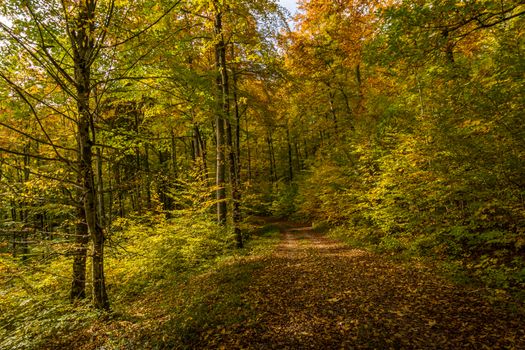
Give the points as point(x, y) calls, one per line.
point(316, 293)
point(295, 288)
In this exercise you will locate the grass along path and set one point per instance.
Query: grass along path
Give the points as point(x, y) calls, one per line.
point(317, 293)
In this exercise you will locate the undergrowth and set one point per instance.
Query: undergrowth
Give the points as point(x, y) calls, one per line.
point(165, 280)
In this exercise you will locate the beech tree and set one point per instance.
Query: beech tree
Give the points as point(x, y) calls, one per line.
point(64, 41)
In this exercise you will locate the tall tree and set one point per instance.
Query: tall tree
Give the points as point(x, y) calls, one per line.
point(223, 111)
point(85, 46)
point(65, 44)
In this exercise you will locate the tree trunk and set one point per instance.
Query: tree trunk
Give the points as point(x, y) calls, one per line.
point(234, 184)
point(271, 158)
point(13, 217)
point(194, 147)
point(174, 167)
point(24, 214)
point(148, 176)
point(299, 161)
point(120, 194)
point(248, 152)
point(203, 152)
point(305, 145)
point(100, 297)
point(78, 285)
point(100, 187)
point(83, 49)
point(273, 163)
point(235, 168)
point(109, 220)
point(221, 115)
point(360, 95)
point(290, 158)
point(333, 112)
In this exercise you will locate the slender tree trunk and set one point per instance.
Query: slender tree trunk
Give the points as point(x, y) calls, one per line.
point(24, 213)
point(194, 147)
point(220, 176)
point(109, 221)
point(360, 99)
point(161, 189)
point(148, 176)
point(221, 115)
point(100, 187)
point(305, 149)
point(272, 154)
point(234, 185)
point(290, 158)
point(248, 152)
point(348, 108)
point(120, 194)
point(237, 123)
point(270, 157)
point(13, 217)
point(332, 111)
point(174, 166)
point(203, 154)
point(197, 150)
point(235, 170)
point(138, 173)
point(298, 157)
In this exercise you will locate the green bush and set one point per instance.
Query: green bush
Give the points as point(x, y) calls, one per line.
point(283, 203)
point(390, 244)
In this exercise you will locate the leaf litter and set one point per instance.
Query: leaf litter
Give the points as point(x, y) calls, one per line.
point(317, 293)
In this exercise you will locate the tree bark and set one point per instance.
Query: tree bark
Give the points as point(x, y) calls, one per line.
point(360, 95)
point(24, 213)
point(147, 170)
point(333, 112)
point(235, 168)
point(78, 284)
point(83, 49)
point(100, 188)
point(204, 157)
point(290, 158)
point(248, 152)
point(137, 203)
point(13, 217)
point(174, 166)
point(271, 155)
point(221, 115)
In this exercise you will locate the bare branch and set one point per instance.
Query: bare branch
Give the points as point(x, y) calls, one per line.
point(36, 156)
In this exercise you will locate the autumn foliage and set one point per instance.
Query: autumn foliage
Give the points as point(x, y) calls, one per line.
point(144, 143)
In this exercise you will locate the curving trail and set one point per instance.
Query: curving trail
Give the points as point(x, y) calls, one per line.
point(316, 293)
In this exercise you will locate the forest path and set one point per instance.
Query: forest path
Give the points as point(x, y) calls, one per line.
point(317, 293)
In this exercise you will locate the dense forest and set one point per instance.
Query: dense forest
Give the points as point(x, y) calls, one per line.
point(144, 144)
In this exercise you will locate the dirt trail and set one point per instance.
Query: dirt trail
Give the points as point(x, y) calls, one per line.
point(316, 293)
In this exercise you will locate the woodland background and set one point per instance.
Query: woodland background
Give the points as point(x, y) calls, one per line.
point(139, 140)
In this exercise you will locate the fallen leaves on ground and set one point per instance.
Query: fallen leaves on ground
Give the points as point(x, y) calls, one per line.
point(316, 293)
